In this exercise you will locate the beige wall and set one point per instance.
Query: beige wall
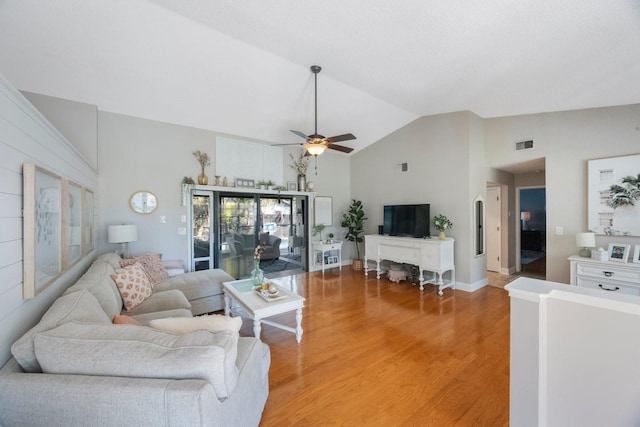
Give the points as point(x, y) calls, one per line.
point(566, 140)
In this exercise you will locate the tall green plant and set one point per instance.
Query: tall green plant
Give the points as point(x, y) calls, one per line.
point(353, 221)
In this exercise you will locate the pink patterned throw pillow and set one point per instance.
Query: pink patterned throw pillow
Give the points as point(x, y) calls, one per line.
point(133, 284)
point(152, 264)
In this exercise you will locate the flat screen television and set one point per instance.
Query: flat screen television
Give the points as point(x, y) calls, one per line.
point(406, 220)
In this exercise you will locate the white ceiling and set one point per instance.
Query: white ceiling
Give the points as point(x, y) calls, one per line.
point(242, 67)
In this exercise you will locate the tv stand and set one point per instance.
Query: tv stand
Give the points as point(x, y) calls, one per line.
point(433, 255)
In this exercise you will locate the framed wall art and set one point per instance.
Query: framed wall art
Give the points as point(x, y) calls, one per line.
point(87, 221)
point(292, 186)
point(42, 257)
point(71, 223)
point(614, 196)
point(636, 253)
point(323, 210)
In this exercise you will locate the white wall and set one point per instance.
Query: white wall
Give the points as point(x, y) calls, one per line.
point(566, 140)
point(437, 151)
point(26, 136)
point(136, 154)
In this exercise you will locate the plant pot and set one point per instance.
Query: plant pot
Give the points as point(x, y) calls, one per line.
point(357, 265)
point(442, 236)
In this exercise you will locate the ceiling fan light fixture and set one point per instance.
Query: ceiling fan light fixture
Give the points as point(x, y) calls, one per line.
point(315, 149)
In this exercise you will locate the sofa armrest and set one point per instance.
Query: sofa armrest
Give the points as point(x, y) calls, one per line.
point(37, 399)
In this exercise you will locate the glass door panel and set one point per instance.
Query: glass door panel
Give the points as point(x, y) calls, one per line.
point(237, 234)
point(275, 220)
point(202, 248)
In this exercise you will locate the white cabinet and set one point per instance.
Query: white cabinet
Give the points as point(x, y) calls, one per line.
point(327, 255)
point(609, 276)
point(432, 255)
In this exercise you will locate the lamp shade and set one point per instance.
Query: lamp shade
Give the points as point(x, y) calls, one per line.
point(586, 240)
point(315, 149)
point(123, 233)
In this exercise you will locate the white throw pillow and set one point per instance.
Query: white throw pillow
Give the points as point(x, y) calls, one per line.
point(186, 325)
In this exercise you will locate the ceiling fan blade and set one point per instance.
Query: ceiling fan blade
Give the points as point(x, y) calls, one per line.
point(338, 138)
point(340, 148)
point(300, 134)
point(291, 143)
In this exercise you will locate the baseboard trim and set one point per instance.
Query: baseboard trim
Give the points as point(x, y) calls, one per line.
point(467, 287)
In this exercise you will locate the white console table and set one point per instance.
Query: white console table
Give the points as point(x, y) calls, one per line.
point(611, 276)
point(323, 254)
point(433, 255)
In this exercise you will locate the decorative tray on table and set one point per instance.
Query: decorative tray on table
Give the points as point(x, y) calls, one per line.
point(270, 297)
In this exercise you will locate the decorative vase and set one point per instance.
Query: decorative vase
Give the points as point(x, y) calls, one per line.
point(257, 275)
point(203, 179)
point(441, 235)
point(302, 183)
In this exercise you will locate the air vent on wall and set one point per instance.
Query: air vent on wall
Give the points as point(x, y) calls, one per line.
point(524, 145)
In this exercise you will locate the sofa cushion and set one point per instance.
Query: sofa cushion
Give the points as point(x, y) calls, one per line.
point(145, 318)
point(134, 351)
point(98, 281)
point(80, 305)
point(197, 284)
point(133, 284)
point(152, 265)
point(111, 258)
point(161, 301)
point(183, 325)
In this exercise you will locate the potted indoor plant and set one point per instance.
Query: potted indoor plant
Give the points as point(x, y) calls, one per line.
point(442, 223)
point(318, 229)
point(353, 221)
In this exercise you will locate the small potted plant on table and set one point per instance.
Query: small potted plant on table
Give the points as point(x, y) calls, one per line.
point(442, 223)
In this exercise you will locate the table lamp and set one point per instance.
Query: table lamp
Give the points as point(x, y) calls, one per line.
point(586, 241)
point(123, 234)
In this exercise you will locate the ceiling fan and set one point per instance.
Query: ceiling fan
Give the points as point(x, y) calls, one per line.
point(315, 143)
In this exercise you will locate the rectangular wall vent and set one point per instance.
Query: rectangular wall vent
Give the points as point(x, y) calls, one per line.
point(524, 145)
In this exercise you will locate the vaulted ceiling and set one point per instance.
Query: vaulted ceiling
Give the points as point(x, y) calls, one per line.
point(242, 67)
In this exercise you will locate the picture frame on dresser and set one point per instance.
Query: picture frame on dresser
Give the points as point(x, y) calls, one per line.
point(636, 254)
point(619, 252)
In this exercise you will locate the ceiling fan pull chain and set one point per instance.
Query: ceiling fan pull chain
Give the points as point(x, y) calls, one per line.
point(316, 160)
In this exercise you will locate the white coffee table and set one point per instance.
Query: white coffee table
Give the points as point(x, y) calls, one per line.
point(252, 305)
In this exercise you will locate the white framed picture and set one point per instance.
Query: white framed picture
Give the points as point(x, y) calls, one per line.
point(636, 253)
point(619, 252)
point(292, 186)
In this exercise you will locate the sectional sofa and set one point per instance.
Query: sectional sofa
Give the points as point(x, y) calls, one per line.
point(75, 367)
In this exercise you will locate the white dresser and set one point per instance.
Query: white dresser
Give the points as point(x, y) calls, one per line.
point(610, 276)
point(433, 255)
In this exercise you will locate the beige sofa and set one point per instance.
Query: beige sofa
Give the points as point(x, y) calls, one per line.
point(77, 368)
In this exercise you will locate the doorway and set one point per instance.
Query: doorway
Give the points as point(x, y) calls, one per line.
point(533, 226)
point(228, 226)
point(493, 229)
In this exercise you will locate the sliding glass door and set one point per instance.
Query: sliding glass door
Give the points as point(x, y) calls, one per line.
point(237, 233)
point(227, 227)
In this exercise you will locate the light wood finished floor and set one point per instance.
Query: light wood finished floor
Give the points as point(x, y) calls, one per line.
point(377, 353)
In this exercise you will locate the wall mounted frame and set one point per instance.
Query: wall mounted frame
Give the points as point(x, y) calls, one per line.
point(323, 210)
point(42, 229)
point(614, 195)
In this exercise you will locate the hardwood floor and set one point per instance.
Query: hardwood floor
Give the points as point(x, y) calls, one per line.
point(378, 353)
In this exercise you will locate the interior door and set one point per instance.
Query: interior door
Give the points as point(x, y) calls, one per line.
point(493, 227)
